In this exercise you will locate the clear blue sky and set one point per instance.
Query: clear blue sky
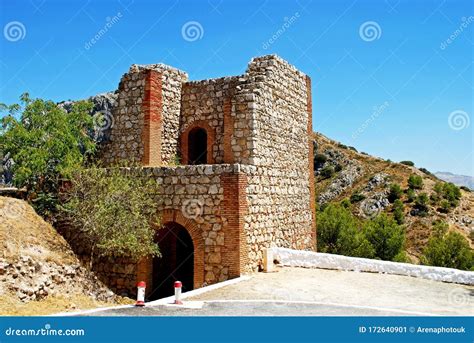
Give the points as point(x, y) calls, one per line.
point(402, 64)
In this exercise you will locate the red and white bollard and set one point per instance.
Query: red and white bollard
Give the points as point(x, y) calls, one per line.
point(141, 293)
point(177, 293)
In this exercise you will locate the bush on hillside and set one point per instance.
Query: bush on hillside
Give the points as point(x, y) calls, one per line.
point(408, 163)
point(339, 233)
point(398, 213)
point(421, 205)
point(411, 195)
point(113, 212)
point(327, 172)
point(395, 192)
point(415, 182)
point(426, 171)
point(356, 197)
point(449, 192)
point(450, 250)
point(319, 160)
point(386, 237)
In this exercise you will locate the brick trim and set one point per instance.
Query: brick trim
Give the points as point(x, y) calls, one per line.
point(312, 208)
point(234, 208)
point(152, 106)
point(184, 141)
point(228, 131)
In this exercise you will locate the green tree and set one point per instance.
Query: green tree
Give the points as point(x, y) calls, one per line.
point(398, 213)
point(407, 163)
point(386, 236)
point(415, 182)
point(356, 197)
point(114, 213)
point(421, 204)
point(327, 172)
point(339, 233)
point(395, 192)
point(46, 145)
point(450, 250)
point(411, 195)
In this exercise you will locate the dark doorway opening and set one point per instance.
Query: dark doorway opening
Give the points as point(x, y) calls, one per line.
point(197, 146)
point(176, 262)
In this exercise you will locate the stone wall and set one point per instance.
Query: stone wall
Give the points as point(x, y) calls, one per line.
point(146, 116)
point(257, 189)
point(207, 104)
point(209, 201)
point(281, 190)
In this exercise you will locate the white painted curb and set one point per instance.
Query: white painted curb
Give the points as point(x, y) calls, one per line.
point(310, 259)
point(163, 301)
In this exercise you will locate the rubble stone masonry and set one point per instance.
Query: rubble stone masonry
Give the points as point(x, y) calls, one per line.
point(256, 188)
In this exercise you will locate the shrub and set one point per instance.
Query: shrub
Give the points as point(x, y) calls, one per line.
point(440, 228)
point(46, 145)
point(327, 172)
point(449, 192)
point(421, 205)
point(352, 148)
point(319, 160)
point(398, 213)
point(426, 171)
point(395, 192)
point(386, 236)
point(411, 196)
point(338, 168)
point(346, 203)
point(113, 212)
point(339, 233)
point(464, 188)
point(444, 206)
point(450, 250)
point(356, 197)
point(415, 182)
point(408, 163)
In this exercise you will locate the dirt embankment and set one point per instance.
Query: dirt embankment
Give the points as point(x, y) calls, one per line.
point(39, 273)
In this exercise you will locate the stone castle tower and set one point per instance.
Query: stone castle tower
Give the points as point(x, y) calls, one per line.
point(244, 180)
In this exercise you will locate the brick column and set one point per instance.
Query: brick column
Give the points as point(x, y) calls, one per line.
point(234, 208)
point(228, 130)
point(152, 107)
point(312, 201)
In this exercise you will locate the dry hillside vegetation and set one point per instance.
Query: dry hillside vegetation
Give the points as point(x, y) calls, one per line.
point(39, 273)
point(365, 181)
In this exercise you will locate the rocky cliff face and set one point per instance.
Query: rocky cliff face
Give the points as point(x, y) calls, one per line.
point(364, 181)
point(101, 112)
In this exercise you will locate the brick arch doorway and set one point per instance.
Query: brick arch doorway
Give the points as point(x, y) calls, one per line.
point(176, 261)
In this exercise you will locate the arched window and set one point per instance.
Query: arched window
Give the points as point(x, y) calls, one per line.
point(197, 146)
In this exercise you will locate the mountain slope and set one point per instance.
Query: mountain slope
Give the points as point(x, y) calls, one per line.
point(343, 173)
point(459, 180)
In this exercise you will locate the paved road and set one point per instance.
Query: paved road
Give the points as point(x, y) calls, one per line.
point(316, 292)
point(250, 309)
